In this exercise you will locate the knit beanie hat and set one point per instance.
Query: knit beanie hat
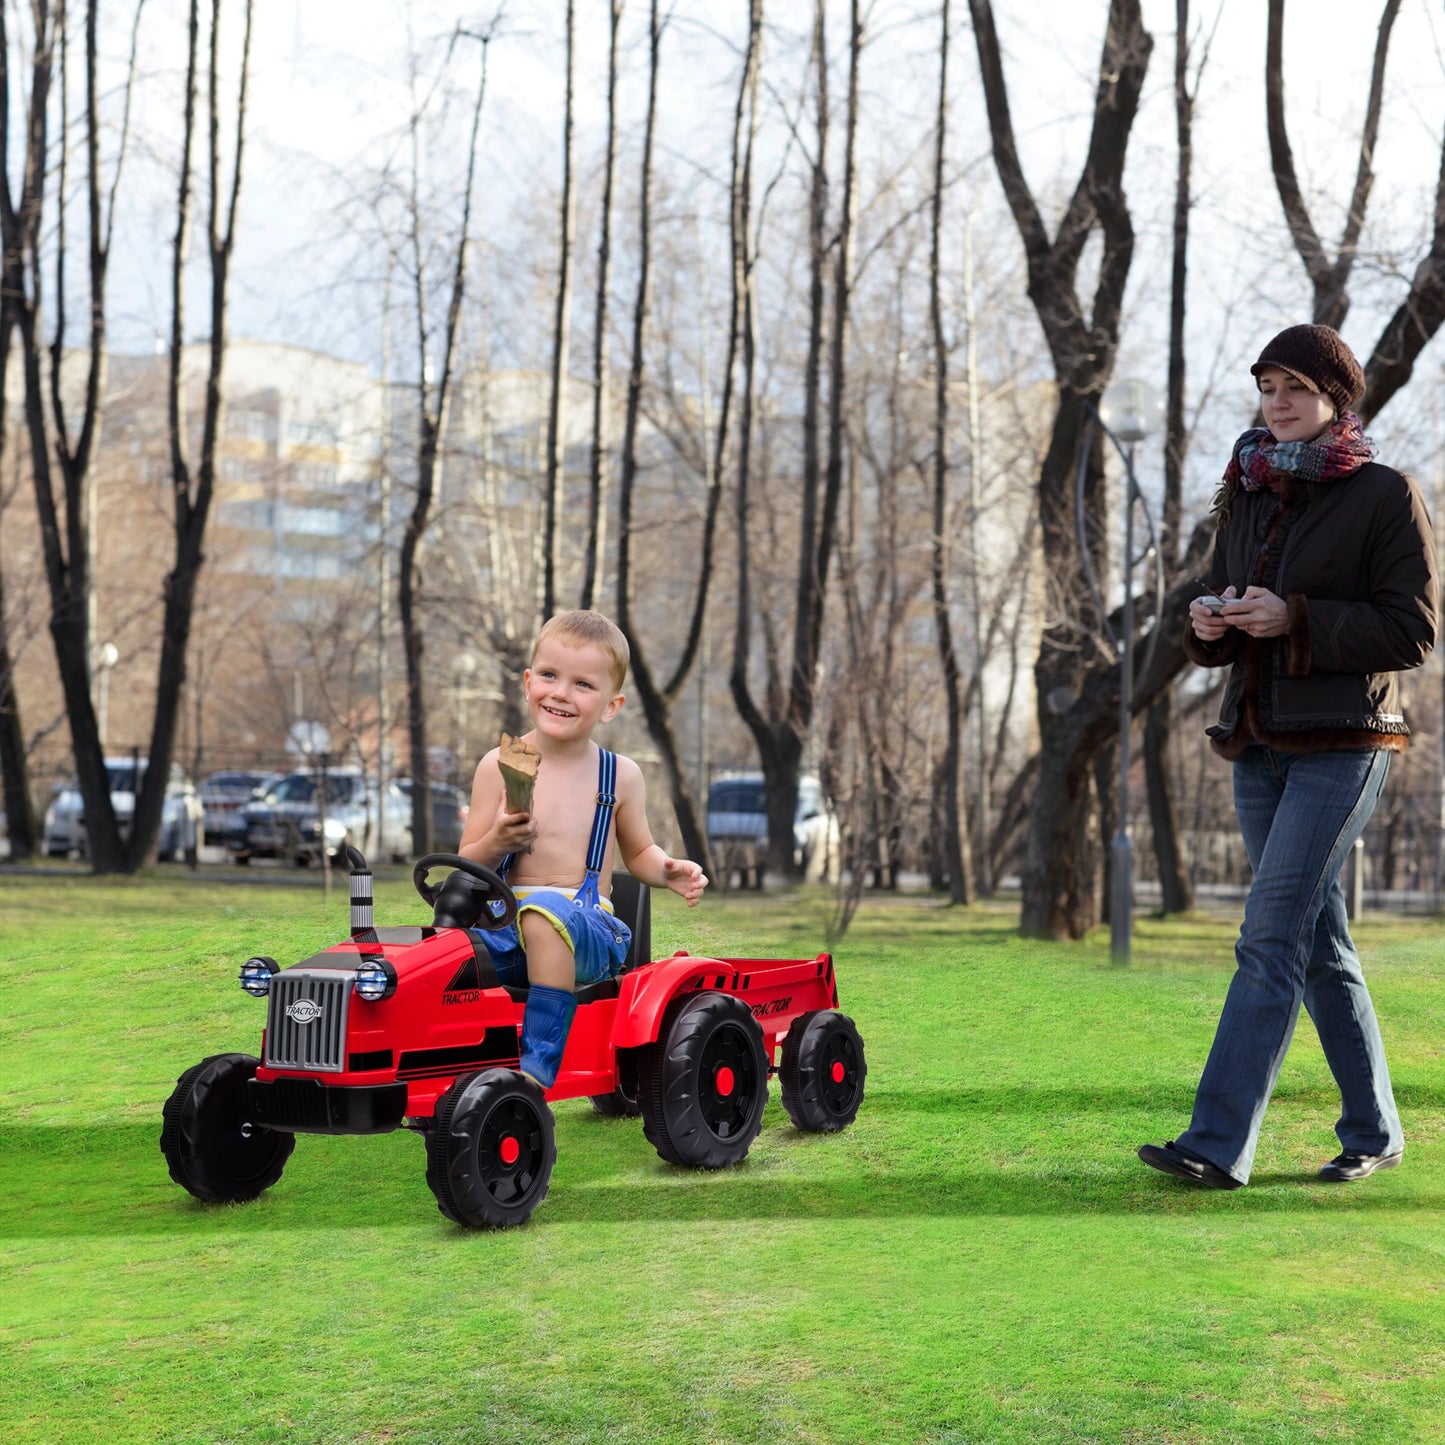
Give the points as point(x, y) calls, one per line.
point(1319, 357)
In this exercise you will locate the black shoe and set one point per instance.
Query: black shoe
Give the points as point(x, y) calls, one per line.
point(1347, 1167)
point(1170, 1160)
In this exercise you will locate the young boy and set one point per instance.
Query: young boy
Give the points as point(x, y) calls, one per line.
point(558, 858)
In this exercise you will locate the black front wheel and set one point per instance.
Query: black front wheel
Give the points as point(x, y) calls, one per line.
point(212, 1147)
point(702, 1086)
point(490, 1150)
point(822, 1070)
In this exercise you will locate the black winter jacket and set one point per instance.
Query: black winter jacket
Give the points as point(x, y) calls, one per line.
point(1354, 560)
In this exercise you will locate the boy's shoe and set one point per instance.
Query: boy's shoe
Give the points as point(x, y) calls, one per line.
point(1170, 1160)
point(1347, 1167)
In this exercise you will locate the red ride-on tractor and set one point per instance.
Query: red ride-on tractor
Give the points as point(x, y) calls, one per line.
point(411, 1028)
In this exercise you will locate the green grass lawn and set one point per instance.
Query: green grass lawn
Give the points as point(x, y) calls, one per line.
point(980, 1258)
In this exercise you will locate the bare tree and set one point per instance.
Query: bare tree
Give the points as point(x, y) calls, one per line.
point(192, 488)
point(59, 442)
point(596, 479)
point(956, 856)
point(658, 699)
point(433, 396)
point(1176, 894)
point(1060, 878)
point(782, 730)
point(561, 334)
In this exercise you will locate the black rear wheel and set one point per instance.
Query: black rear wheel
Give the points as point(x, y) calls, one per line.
point(822, 1070)
point(212, 1147)
point(490, 1150)
point(702, 1086)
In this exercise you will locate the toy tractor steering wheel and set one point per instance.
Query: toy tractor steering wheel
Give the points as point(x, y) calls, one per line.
point(496, 889)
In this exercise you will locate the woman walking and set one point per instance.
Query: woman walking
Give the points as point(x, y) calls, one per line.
point(1325, 588)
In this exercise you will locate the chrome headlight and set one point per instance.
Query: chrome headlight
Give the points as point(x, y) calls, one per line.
point(375, 979)
point(256, 975)
point(335, 829)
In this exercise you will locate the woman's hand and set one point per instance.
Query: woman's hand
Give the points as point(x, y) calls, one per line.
point(1210, 626)
point(1259, 613)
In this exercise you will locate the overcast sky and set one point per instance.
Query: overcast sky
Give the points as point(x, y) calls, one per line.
point(331, 93)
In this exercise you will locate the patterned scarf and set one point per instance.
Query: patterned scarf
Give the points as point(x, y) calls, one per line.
point(1260, 461)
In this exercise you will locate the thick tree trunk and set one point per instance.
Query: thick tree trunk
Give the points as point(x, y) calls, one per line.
point(1176, 896)
point(1072, 673)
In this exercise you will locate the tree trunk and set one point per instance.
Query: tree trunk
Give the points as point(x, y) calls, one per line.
point(782, 732)
point(561, 333)
point(956, 855)
point(595, 559)
point(656, 704)
point(1176, 896)
point(14, 771)
point(1175, 892)
point(432, 404)
point(14, 774)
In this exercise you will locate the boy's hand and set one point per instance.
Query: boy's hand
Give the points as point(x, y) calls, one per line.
point(685, 878)
point(514, 832)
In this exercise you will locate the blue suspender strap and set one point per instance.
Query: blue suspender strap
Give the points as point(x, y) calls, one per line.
point(602, 819)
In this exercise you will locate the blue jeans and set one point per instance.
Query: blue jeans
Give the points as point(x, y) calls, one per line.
point(1300, 814)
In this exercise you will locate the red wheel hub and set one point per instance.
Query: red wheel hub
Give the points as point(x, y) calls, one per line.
point(724, 1081)
point(838, 1071)
point(509, 1150)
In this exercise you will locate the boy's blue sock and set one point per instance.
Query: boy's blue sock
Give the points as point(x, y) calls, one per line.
point(545, 1026)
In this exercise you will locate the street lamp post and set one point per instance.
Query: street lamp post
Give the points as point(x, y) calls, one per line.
point(106, 658)
point(1129, 412)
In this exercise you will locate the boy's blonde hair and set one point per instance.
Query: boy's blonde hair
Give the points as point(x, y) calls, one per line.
point(583, 627)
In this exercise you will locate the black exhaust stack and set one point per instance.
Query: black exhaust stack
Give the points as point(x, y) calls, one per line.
point(362, 917)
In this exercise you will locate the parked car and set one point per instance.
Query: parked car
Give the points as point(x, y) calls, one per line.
point(737, 827)
point(286, 821)
point(449, 810)
point(64, 830)
point(225, 795)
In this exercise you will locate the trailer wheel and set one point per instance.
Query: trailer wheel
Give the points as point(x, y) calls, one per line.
point(211, 1146)
point(490, 1150)
point(616, 1105)
point(703, 1084)
point(621, 1103)
point(822, 1071)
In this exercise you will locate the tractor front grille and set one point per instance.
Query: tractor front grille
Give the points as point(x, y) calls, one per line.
point(306, 1021)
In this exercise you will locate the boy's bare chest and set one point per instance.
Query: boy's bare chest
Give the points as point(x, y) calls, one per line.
point(564, 806)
